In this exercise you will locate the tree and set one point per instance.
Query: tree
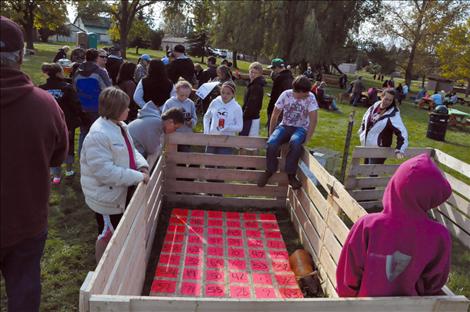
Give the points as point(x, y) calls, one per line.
point(380, 55)
point(421, 23)
point(201, 23)
point(454, 54)
point(198, 44)
point(92, 9)
point(51, 20)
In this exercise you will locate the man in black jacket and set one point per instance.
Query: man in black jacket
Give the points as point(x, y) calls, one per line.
point(282, 80)
point(182, 66)
point(253, 101)
point(211, 71)
point(114, 63)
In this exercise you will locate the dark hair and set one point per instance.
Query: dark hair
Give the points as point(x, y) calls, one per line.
point(51, 69)
point(392, 92)
point(91, 55)
point(157, 70)
point(126, 72)
point(224, 62)
point(226, 70)
point(174, 114)
point(211, 60)
point(301, 84)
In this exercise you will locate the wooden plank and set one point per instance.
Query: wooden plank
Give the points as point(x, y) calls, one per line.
point(452, 162)
point(173, 200)
point(217, 140)
point(332, 245)
point(225, 188)
point(455, 216)
point(84, 297)
point(329, 265)
point(313, 193)
point(367, 170)
point(460, 203)
point(361, 195)
point(310, 210)
point(457, 185)
point(152, 216)
point(386, 152)
point(457, 232)
point(173, 171)
point(363, 182)
point(257, 162)
point(152, 229)
point(368, 205)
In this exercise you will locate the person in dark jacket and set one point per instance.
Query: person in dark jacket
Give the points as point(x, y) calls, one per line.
point(125, 81)
point(114, 63)
point(67, 99)
point(33, 138)
point(282, 80)
point(253, 101)
point(211, 71)
point(182, 66)
point(61, 54)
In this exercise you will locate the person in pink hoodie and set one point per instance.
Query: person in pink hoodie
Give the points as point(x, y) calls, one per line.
point(399, 251)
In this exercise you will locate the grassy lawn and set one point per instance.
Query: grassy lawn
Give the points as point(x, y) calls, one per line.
point(69, 253)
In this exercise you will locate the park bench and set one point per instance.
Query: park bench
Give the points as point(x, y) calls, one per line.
point(321, 212)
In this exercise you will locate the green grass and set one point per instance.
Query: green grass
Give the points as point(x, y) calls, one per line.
point(69, 252)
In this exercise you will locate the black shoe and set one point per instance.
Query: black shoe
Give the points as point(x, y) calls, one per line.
point(263, 179)
point(296, 184)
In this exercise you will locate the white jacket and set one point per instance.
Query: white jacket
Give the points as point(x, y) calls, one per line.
point(232, 114)
point(104, 166)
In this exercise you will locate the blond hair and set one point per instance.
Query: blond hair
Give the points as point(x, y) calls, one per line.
point(256, 66)
point(112, 103)
point(183, 84)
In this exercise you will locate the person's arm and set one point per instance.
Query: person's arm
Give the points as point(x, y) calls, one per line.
point(105, 77)
point(274, 116)
point(139, 95)
point(402, 135)
point(207, 119)
point(61, 140)
point(237, 121)
point(313, 118)
point(193, 115)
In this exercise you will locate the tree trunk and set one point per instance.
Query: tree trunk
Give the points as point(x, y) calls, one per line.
point(234, 59)
point(422, 82)
point(29, 26)
point(337, 68)
point(467, 91)
point(137, 50)
point(409, 66)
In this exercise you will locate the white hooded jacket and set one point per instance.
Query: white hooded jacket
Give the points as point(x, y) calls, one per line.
point(230, 112)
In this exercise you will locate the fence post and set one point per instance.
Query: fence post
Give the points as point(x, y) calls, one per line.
point(346, 146)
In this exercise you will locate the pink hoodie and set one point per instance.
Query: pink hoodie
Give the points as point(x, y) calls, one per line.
point(399, 251)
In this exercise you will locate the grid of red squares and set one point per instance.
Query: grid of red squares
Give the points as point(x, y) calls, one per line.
point(224, 254)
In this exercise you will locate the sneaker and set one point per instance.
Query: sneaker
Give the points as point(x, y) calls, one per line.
point(56, 180)
point(263, 179)
point(296, 184)
point(69, 173)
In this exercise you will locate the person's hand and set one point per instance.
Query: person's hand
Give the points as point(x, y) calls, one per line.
point(144, 170)
point(399, 155)
point(146, 177)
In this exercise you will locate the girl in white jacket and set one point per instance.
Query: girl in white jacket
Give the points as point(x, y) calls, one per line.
point(223, 117)
point(109, 162)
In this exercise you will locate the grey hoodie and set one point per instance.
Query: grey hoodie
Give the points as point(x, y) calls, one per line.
point(188, 107)
point(147, 130)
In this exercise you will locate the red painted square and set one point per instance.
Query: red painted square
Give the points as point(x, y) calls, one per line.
point(174, 237)
point(233, 215)
point(281, 266)
point(276, 244)
point(234, 232)
point(215, 222)
point(256, 254)
point(163, 287)
point(267, 217)
point(169, 259)
point(234, 224)
point(215, 240)
point(263, 279)
point(240, 292)
point(215, 251)
point(215, 290)
point(270, 226)
point(176, 228)
point(179, 212)
point(194, 249)
point(193, 239)
point(272, 234)
point(265, 292)
point(196, 221)
point(279, 254)
point(215, 214)
point(249, 216)
point(236, 264)
point(236, 253)
point(216, 276)
point(178, 220)
point(255, 243)
point(172, 248)
point(234, 242)
point(257, 265)
point(166, 271)
point(215, 231)
point(251, 224)
point(192, 274)
point(190, 289)
point(253, 233)
point(196, 230)
point(286, 280)
point(192, 261)
point(197, 213)
point(290, 293)
point(238, 277)
point(215, 263)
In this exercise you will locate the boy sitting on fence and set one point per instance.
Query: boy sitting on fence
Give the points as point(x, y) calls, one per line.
point(299, 108)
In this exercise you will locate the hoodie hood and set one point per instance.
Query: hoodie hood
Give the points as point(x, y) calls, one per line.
point(14, 84)
point(87, 68)
point(417, 186)
point(149, 110)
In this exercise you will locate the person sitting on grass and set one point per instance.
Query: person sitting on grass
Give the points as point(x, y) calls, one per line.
point(299, 108)
point(400, 251)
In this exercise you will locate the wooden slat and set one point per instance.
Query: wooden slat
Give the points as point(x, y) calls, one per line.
point(257, 162)
point(332, 245)
point(371, 204)
point(224, 188)
point(452, 162)
point(84, 297)
point(328, 265)
point(152, 229)
point(154, 210)
point(362, 182)
point(386, 152)
point(173, 200)
point(459, 202)
point(173, 171)
point(217, 140)
point(313, 194)
point(457, 185)
point(457, 232)
point(455, 216)
point(379, 169)
point(360, 195)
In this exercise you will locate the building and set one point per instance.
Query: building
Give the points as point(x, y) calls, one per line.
point(171, 42)
point(348, 68)
point(436, 83)
point(98, 26)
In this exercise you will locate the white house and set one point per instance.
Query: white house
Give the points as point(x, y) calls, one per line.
point(171, 42)
point(98, 26)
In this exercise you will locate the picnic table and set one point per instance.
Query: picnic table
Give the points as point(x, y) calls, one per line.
point(426, 103)
point(458, 118)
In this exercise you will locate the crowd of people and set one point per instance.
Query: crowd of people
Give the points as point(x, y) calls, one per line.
point(123, 110)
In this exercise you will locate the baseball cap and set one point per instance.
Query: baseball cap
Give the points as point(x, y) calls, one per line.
point(179, 48)
point(146, 57)
point(277, 62)
point(11, 38)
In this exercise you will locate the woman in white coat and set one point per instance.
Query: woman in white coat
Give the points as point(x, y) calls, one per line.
point(109, 162)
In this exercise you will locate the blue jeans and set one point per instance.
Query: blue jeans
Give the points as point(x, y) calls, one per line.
point(20, 266)
point(355, 98)
point(283, 134)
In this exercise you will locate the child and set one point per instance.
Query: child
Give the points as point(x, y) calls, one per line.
point(109, 162)
point(299, 120)
point(223, 117)
point(253, 101)
point(67, 99)
point(399, 251)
